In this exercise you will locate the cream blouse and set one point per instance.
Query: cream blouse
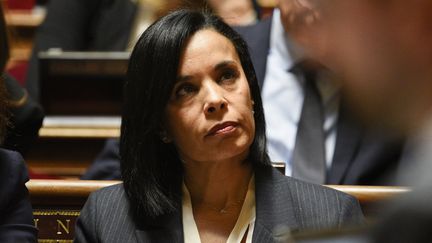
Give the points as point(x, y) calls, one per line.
point(245, 221)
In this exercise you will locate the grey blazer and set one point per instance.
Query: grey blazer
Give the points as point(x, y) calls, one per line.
point(282, 204)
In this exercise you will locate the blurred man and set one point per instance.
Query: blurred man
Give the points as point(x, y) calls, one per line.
point(309, 124)
point(383, 50)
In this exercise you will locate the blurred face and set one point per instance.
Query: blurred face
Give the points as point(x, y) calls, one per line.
point(234, 12)
point(209, 116)
point(300, 20)
point(383, 51)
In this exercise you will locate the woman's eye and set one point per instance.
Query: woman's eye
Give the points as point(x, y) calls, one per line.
point(184, 90)
point(228, 75)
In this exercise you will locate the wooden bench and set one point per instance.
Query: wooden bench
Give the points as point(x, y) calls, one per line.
point(57, 203)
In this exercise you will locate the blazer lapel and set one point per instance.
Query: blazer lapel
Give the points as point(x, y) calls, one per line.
point(348, 138)
point(275, 214)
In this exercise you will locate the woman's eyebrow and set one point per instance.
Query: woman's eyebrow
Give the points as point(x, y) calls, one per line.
point(225, 64)
point(183, 78)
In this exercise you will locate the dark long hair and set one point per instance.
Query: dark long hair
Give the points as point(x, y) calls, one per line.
point(151, 170)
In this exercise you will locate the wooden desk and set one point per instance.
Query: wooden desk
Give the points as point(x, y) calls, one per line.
point(24, 18)
point(80, 127)
point(57, 203)
point(56, 206)
point(67, 146)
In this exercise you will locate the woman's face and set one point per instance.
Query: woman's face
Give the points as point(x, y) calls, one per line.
point(209, 116)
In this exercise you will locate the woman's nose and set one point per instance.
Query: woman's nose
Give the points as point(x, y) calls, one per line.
point(215, 100)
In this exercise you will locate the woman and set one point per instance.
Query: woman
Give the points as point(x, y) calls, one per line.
point(192, 149)
point(16, 218)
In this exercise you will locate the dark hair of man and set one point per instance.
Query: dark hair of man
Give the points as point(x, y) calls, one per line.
point(4, 56)
point(152, 171)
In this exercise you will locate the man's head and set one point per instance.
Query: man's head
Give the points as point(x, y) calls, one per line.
point(300, 20)
point(383, 51)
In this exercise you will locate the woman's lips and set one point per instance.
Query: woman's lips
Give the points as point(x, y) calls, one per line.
point(222, 128)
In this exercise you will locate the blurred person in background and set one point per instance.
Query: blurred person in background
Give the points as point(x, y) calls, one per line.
point(310, 124)
point(383, 51)
point(16, 214)
point(236, 12)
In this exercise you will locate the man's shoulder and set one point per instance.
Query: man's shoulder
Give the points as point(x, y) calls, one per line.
point(255, 30)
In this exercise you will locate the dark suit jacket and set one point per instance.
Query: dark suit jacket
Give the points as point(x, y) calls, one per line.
point(16, 214)
point(282, 204)
point(81, 25)
point(363, 156)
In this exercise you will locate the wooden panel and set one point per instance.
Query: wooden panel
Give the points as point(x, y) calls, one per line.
point(63, 157)
point(64, 74)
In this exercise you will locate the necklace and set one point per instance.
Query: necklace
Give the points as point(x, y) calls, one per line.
point(227, 208)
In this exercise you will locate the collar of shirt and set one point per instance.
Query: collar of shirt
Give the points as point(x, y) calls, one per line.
point(290, 53)
point(283, 100)
point(282, 44)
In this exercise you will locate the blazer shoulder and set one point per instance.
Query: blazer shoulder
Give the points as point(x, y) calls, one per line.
point(108, 199)
point(254, 31)
point(106, 217)
point(309, 189)
point(109, 194)
point(321, 207)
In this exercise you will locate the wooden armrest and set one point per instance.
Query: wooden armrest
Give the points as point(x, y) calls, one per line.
point(65, 192)
point(369, 194)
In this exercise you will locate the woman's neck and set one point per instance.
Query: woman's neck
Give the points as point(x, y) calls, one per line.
point(217, 185)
